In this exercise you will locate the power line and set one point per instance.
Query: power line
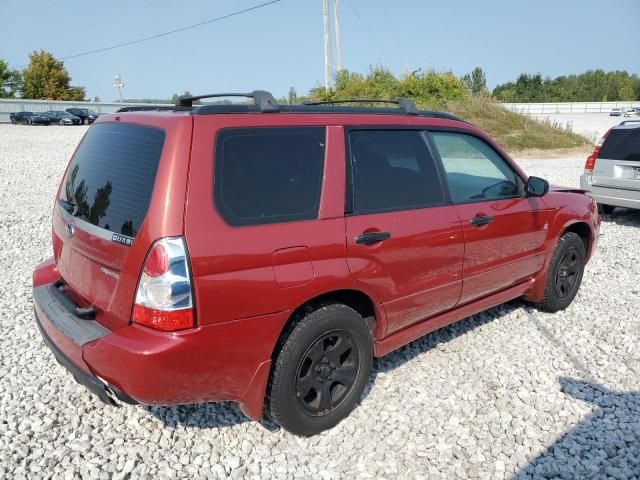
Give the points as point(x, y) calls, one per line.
point(381, 49)
point(164, 34)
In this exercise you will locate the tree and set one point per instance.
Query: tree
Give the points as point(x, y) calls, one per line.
point(46, 78)
point(476, 81)
point(590, 86)
point(427, 89)
point(293, 96)
point(10, 81)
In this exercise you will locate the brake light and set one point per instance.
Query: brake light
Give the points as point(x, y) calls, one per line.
point(591, 159)
point(164, 299)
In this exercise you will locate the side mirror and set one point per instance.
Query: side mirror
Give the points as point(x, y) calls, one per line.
point(536, 187)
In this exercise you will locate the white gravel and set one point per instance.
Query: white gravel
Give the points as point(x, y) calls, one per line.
point(508, 393)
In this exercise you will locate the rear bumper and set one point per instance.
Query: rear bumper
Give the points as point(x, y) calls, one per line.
point(223, 362)
point(107, 393)
point(617, 197)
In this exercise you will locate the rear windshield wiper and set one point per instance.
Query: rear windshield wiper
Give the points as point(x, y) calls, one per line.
point(70, 207)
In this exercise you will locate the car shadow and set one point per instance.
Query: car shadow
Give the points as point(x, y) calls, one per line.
point(228, 414)
point(606, 444)
point(204, 416)
point(623, 216)
point(432, 340)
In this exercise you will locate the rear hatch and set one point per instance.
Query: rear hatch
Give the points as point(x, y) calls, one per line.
point(101, 207)
point(618, 162)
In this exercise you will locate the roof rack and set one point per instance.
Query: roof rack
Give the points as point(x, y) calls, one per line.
point(264, 100)
point(628, 121)
point(406, 105)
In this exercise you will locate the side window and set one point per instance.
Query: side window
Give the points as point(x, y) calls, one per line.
point(392, 170)
point(474, 170)
point(268, 175)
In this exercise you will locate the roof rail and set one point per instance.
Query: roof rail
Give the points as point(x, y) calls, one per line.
point(628, 121)
point(264, 100)
point(405, 104)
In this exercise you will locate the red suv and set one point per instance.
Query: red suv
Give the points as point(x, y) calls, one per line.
point(264, 254)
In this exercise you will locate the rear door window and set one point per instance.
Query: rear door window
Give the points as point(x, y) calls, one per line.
point(111, 176)
point(392, 170)
point(268, 175)
point(622, 144)
point(475, 172)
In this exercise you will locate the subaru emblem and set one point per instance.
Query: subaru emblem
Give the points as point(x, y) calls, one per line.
point(69, 229)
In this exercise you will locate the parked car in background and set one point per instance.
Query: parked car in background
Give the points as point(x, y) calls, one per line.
point(87, 115)
point(29, 118)
point(615, 112)
point(341, 233)
point(61, 117)
point(612, 171)
point(630, 112)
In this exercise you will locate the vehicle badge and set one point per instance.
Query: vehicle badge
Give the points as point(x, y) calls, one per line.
point(69, 230)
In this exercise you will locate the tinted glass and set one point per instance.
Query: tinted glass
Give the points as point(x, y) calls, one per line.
point(475, 172)
point(269, 175)
point(622, 144)
point(111, 176)
point(392, 170)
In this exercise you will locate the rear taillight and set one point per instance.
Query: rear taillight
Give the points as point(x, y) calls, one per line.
point(164, 299)
point(591, 159)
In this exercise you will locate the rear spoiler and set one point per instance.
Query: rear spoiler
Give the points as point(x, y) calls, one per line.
point(143, 108)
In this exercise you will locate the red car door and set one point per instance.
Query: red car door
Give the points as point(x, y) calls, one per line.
point(404, 239)
point(504, 230)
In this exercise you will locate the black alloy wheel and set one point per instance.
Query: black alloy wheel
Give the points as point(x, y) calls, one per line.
point(320, 368)
point(567, 273)
point(564, 274)
point(327, 372)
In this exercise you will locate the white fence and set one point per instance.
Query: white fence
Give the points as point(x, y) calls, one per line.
point(569, 107)
point(11, 105)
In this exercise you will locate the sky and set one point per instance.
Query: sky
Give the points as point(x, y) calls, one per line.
point(280, 45)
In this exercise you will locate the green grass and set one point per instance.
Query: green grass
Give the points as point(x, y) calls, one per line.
point(515, 132)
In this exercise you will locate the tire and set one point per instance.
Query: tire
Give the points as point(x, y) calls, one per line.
point(605, 209)
point(321, 367)
point(61, 123)
point(564, 275)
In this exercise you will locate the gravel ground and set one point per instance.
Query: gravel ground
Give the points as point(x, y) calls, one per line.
point(509, 393)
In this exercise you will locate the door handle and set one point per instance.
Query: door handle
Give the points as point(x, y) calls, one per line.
point(370, 238)
point(480, 220)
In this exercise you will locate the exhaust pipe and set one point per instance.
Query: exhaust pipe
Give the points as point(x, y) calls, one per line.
point(111, 395)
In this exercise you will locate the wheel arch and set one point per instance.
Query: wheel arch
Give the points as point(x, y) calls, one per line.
point(360, 301)
point(583, 230)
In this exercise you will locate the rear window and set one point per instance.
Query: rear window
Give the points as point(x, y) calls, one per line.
point(111, 176)
point(621, 144)
point(268, 175)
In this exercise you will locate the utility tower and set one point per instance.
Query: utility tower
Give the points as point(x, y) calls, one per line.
point(327, 41)
point(327, 46)
point(336, 27)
